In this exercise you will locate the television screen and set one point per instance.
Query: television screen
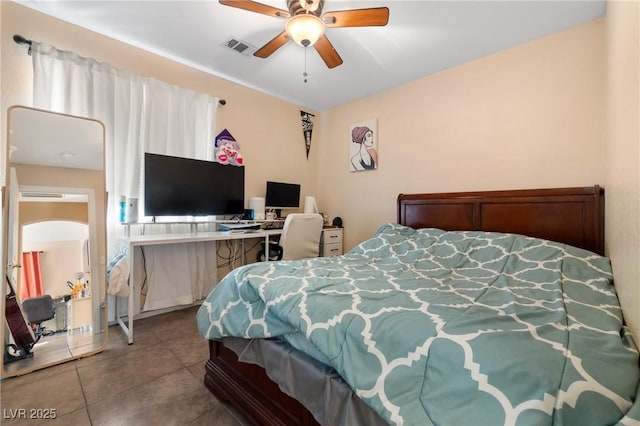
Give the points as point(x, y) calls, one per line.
point(282, 195)
point(176, 186)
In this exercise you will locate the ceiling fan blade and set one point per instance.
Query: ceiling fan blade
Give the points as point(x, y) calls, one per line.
point(327, 52)
point(253, 6)
point(276, 43)
point(373, 17)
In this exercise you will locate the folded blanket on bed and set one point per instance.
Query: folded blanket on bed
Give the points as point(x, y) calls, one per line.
point(435, 327)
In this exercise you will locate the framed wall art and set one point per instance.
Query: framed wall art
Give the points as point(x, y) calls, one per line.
point(363, 146)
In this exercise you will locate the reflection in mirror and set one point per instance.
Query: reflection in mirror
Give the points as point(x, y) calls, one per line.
point(55, 243)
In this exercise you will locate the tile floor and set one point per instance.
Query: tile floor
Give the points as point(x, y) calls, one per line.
point(58, 347)
point(156, 381)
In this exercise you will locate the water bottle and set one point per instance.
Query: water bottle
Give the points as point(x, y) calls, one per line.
point(123, 208)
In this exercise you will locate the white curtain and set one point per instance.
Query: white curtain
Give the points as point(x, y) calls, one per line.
point(139, 113)
point(178, 122)
point(172, 124)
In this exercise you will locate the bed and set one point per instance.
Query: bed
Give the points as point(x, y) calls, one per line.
point(497, 289)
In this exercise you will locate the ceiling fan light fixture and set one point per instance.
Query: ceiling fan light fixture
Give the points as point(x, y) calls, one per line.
point(305, 29)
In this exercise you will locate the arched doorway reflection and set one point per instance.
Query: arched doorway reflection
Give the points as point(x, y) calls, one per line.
point(63, 249)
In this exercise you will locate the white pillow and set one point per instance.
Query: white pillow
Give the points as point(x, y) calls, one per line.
point(119, 278)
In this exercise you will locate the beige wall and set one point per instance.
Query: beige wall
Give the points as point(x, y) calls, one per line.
point(526, 117)
point(622, 154)
point(37, 211)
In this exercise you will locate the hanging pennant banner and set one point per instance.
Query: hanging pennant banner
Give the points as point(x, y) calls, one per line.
point(307, 128)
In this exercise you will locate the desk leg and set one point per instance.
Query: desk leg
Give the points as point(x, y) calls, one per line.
point(266, 248)
point(128, 328)
point(132, 286)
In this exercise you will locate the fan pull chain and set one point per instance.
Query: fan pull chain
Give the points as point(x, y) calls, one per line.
point(304, 74)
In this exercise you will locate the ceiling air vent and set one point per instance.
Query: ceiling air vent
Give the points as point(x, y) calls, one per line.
point(240, 46)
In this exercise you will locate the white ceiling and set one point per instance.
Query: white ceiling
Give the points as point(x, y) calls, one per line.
point(421, 38)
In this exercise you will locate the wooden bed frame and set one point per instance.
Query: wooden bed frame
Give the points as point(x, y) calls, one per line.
point(574, 216)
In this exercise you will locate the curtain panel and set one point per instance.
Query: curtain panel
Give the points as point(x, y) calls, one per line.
point(139, 113)
point(31, 283)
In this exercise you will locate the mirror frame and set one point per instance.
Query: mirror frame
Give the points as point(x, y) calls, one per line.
point(97, 233)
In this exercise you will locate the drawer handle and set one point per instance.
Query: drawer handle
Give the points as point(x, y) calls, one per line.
point(335, 249)
point(333, 236)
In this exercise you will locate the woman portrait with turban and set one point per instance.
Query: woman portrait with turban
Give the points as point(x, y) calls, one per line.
point(366, 156)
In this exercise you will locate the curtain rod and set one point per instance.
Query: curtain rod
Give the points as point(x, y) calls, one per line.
point(21, 40)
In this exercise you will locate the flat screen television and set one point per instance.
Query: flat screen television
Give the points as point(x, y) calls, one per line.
point(280, 195)
point(176, 186)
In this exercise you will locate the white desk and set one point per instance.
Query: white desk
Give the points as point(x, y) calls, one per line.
point(193, 226)
point(160, 239)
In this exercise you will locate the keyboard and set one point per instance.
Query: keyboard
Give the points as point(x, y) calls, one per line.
point(238, 227)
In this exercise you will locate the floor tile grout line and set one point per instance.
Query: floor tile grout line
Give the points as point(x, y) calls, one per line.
point(184, 351)
point(84, 396)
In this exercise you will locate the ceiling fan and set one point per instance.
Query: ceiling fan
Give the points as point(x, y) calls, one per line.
point(306, 24)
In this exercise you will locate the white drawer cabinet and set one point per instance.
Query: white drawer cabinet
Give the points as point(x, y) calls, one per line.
point(79, 313)
point(331, 242)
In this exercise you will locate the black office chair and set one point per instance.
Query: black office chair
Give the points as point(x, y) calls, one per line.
point(38, 310)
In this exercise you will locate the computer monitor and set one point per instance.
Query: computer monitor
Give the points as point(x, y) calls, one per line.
point(280, 195)
point(177, 186)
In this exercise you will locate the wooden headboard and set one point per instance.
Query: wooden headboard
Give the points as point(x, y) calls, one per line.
point(573, 216)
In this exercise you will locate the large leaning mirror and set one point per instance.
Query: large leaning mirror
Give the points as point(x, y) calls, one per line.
point(54, 240)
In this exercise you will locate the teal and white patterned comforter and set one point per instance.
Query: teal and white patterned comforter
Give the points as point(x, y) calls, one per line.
point(449, 328)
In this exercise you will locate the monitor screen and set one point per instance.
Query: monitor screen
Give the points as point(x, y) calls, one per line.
point(282, 195)
point(176, 186)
